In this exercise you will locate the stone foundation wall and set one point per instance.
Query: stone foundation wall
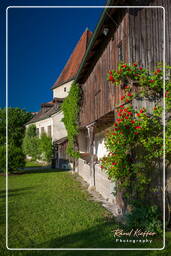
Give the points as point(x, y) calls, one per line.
point(102, 184)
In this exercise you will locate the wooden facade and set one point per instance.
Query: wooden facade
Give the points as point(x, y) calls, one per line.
point(135, 35)
point(146, 34)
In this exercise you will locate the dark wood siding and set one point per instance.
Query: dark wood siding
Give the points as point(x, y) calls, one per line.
point(141, 34)
point(146, 34)
point(100, 96)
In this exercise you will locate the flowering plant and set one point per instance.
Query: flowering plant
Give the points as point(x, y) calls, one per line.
point(135, 142)
point(126, 73)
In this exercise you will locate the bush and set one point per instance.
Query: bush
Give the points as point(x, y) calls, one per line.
point(16, 158)
point(145, 217)
point(45, 147)
point(37, 148)
point(31, 143)
point(16, 127)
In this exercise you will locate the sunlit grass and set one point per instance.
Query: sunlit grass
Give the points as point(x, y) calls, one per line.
point(49, 209)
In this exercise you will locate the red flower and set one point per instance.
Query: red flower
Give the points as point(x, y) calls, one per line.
point(138, 114)
point(151, 81)
point(136, 133)
point(126, 87)
point(138, 127)
point(127, 100)
point(119, 114)
point(113, 133)
point(121, 106)
point(141, 110)
point(124, 66)
point(126, 117)
point(123, 97)
point(158, 70)
point(114, 163)
point(115, 124)
point(140, 68)
point(130, 113)
point(129, 94)
point(111, 78)
point(135, 64)
point(110, 72)
point(132, 121)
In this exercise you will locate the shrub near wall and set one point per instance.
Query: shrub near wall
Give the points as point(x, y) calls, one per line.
point(135, 143)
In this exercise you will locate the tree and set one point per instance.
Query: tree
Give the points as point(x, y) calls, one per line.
point(31, 143)
point(46, 147)
point(16, 127)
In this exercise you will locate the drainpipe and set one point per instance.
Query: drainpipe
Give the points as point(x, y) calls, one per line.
point(90, 129)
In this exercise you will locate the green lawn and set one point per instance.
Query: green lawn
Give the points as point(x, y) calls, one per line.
point(32, 164)
point(49, 209)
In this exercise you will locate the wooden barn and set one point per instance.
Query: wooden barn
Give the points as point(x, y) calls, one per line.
point(122, 35)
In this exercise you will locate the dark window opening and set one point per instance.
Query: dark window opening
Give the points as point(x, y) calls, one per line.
point(37, 131)
point(120, 52)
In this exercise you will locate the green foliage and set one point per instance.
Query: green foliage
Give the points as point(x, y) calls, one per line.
point(16, 158)
point(70, 108)
point(125, 73)
point(16, 121)
point(145, 217)
point(31, 143)
point(45, 147)
point(135, 143)
point(31, 131)
point(37, 148)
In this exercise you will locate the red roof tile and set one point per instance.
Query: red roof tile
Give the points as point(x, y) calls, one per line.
point(74, 61)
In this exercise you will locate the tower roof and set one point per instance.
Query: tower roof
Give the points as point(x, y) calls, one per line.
point(69, 71)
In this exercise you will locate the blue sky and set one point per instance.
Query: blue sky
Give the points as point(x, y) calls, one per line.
point(40, 43)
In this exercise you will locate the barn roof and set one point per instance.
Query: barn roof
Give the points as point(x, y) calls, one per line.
point(72, 65)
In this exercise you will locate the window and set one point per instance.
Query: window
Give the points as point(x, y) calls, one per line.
point(42, 130)
point(37, 131)
point(120, 52)
point(49, 130)
point(64, 89)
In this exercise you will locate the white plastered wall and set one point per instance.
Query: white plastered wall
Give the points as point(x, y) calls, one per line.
point(58, 127)
point(58, 130)
point(59, 92)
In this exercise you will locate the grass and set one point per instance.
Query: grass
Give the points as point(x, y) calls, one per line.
point(32, 164)
point(49, 209)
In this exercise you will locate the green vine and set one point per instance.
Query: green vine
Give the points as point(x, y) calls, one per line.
point(70, 108)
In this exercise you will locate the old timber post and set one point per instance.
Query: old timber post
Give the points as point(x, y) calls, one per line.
point(90, 129)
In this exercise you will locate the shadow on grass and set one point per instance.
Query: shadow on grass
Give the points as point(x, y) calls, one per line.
point(99, 236)
point(14, 192)
point(39, 170)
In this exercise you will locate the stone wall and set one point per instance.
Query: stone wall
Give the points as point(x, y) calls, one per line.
point(102, 184)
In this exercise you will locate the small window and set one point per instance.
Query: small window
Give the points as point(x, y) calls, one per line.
point(37, 131)
point(64, 89)
point(49, 130)
point(42, 130)
point(120, 52)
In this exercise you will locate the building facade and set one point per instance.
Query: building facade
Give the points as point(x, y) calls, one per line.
point(126, 35)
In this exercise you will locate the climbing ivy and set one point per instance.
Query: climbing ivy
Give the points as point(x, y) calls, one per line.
point(70, 108)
